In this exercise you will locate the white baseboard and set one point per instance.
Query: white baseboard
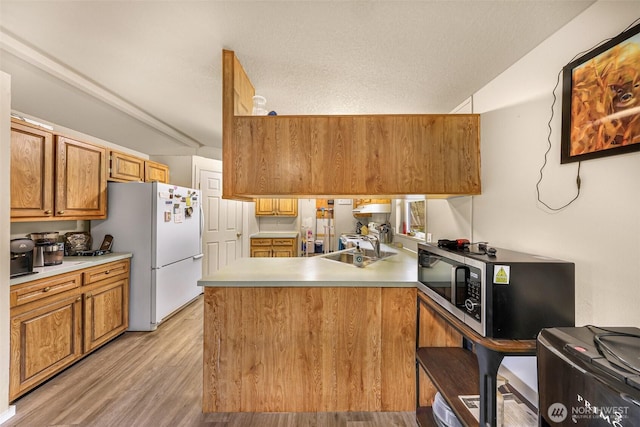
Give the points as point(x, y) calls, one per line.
point(10, 412)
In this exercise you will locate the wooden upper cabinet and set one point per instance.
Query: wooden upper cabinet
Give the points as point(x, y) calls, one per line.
point(54, 177)
point(81, 180)
point(31, 172)
point(383, 155)
point(156, 172)
point(124, 167)
point(288, 207)
point(276, 207)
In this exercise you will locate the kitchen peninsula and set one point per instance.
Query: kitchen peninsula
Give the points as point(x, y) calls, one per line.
point(310, 334)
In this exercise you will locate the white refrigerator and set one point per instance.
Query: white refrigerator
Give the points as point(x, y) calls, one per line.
point(161, 225)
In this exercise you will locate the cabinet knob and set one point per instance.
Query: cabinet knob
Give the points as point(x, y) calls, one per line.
point(47, 212)
point(60, 212)
point(107, 272)
point(89, 296)
point(78, 299)
point(46, 289)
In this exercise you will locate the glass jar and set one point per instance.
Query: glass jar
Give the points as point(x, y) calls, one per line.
point(259, 106)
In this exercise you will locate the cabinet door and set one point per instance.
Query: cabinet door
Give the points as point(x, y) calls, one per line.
point(287, 207)
point(283, 251)
point(81, 185)
point(261, 252)
point(124, 167)
point(265, 207)
point(31, 172)
point(277, 207)
point(106, 313)
point(43, 341)
point(155, 172)
point(284, 247)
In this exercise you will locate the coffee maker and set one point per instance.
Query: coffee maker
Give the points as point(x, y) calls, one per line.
point(21, 257)
point(47, 250)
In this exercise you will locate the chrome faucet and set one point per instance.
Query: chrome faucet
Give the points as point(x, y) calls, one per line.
point(375, 242)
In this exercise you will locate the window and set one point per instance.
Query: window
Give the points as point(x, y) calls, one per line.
point(415, 218)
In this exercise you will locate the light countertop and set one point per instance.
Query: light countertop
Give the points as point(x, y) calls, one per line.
point(275, 235)
point(399, 270)
point(70, 264)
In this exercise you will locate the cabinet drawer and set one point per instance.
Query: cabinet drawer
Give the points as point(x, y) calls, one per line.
point(283, 242)
point(102, 272)
point(260, 242)
point(33, 291)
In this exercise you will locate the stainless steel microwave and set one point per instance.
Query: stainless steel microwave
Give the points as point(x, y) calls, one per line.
point(508, 295)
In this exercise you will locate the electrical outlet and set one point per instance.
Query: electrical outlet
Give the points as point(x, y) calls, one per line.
point(428, 237)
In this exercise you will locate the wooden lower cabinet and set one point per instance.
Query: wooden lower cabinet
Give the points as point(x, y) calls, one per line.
point(106, 313)
point(309, 349)
point(274, 247)
point(44, 340)
point(58, 320)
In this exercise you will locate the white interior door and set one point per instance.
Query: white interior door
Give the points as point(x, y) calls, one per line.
point(222, 234)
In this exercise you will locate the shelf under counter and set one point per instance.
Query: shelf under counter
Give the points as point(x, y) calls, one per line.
point(424, 416)
point(453, 371)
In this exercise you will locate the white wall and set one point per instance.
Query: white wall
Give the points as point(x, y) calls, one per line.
point(600, 231)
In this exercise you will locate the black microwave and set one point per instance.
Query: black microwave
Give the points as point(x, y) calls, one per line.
point(507, 295)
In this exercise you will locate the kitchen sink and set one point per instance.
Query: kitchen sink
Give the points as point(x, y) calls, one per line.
point(346, 256)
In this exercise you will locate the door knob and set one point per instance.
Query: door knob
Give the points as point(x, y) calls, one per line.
point(238, 235)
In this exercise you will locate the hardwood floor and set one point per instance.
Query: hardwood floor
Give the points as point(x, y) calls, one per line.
point(155, 379)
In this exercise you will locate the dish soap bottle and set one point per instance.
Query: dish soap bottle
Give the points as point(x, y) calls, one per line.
point(358, 257)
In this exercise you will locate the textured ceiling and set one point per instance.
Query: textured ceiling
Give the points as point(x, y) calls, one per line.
point(323, 57)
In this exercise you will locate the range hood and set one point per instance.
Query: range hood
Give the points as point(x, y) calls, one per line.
point(372, 208)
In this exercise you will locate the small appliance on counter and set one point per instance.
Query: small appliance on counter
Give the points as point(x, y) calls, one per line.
point(47, 250)
point(589, 376)
point(52, 254)
point(105, 248)
point(77, 241)
point(22, 253)
point(501, 293)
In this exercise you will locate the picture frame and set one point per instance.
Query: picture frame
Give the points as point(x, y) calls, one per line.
point(601, 100)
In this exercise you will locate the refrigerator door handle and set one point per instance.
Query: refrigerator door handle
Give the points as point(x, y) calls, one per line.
point(201, 220)
point(198, 256)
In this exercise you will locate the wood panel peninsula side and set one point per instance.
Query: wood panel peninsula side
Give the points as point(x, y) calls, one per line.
point(310, 335)
point(386, 155)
